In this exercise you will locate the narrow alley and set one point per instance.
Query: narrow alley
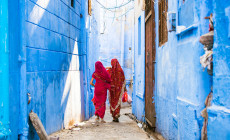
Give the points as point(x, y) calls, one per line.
point(66, 63)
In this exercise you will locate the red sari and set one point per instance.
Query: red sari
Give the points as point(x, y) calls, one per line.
point(100, 93)
point(117, 88)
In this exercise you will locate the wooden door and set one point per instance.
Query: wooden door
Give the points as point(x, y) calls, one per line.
point(150, 53)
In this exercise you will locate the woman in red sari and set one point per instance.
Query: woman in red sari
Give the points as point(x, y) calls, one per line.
point(117, 88)
point(100, 93)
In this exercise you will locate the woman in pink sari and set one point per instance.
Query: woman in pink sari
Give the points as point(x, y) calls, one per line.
point(100, 93)
point(117, 88)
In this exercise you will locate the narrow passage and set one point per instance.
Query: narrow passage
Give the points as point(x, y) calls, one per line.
point(126, 129)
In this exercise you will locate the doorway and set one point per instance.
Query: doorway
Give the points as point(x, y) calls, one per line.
point(150, 57)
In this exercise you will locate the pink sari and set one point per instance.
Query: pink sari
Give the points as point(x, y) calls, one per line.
point(100, 93)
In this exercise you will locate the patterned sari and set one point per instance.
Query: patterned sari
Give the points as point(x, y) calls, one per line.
point(117, 88)
point(100, 93)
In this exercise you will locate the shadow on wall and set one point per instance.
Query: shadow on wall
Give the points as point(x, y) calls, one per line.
point(54, 64)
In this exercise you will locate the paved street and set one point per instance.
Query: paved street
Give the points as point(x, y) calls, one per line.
point(126, 129)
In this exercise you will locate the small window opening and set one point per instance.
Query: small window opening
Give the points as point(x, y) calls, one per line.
point(72, 3)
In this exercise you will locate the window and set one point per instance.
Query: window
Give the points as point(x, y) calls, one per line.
point(163, 32)
point(89, 7)
point(139, 35)
point(72, 3)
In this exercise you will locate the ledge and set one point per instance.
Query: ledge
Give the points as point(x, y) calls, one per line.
point(192, 27)
point(187, 102)
point(215, 109)
point(141, 96)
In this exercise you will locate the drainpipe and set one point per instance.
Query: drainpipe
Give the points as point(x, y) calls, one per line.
point(4, 71)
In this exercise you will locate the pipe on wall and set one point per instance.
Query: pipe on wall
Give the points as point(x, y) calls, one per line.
point(4, 71)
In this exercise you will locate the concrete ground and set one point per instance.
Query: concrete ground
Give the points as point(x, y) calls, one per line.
point(126, 129)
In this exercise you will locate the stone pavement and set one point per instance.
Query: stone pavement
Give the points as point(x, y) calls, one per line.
point(126, 129)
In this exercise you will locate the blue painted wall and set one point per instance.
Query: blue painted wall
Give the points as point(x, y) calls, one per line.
point(219, 112)
point(54, 70)
point(129, 44)
point(92, 49)
point(14, 59)
point(4, 70)
point(48, 57)
point(129, 49)
point(138, 105)
point(182, 85)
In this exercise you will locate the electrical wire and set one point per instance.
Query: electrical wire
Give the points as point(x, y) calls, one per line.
point(122, 14)
point(104, 6)
point(116, 7)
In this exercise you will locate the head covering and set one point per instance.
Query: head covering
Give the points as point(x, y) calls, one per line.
point(101, 72)
point(116, 72)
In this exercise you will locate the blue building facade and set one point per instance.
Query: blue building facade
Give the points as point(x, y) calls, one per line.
point(182, 85)
point(45, 65)
point(49, 48)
